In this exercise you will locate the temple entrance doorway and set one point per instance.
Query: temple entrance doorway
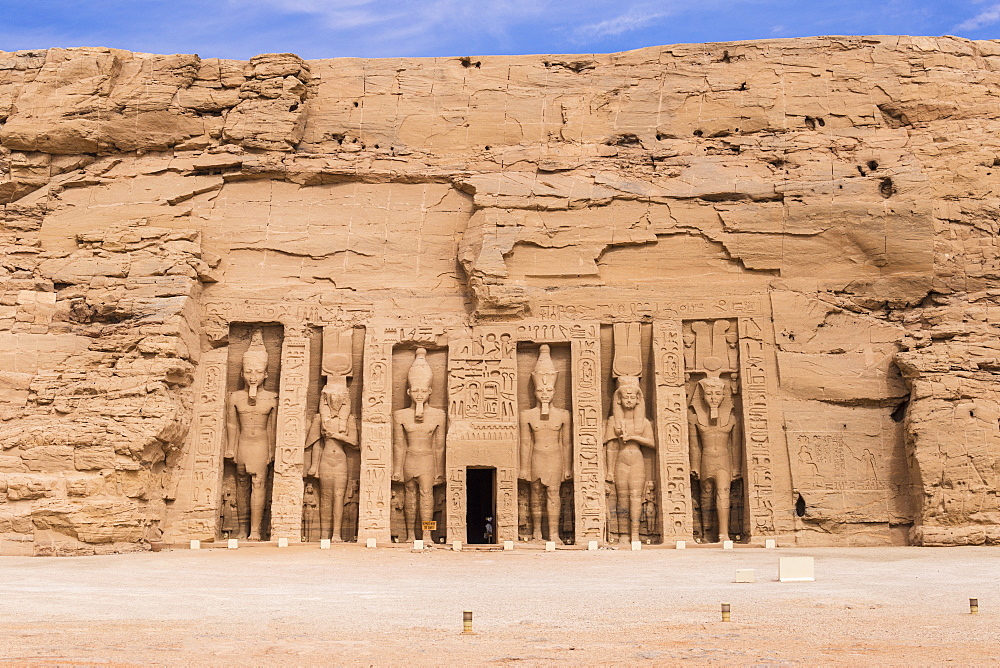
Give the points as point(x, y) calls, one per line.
point(481, 505)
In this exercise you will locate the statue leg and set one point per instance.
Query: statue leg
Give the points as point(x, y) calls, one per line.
point(409, 507)
point(707, 496)
point(339, 484)
point(553, 507)
point(325, 506)
point(537, 498)
point(243, 488)
point(722, 484)
point(426, 484)
point(257, 501)
point(636, 487)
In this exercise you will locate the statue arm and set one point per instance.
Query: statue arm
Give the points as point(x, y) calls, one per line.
point(736, 442)
point(272, 430)
point(611, 444)
point(232, 428)
point(398, 449)
point(694, 446)
point(567, 449)
point(439, 437)
point(646, 437)
point(314, 444)
point(524, 450)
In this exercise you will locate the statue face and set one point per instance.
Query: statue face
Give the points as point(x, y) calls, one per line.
point(419, 394)
point(254, 372)
point(545, 393)
point(629, 397)
point(714, 395)
point(335, 398)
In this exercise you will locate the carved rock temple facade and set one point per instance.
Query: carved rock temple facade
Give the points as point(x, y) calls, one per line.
point(701, 292)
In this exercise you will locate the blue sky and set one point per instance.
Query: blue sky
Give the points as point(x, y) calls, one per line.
point(383, 28)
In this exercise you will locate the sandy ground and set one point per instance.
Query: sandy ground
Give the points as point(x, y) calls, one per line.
point(350, 605)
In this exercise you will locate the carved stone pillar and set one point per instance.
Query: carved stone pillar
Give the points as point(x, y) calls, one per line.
point(769, 516)
point(376, 438)
point(199, 481)
point(672, 431)
point(588, 455)
point(287, 488)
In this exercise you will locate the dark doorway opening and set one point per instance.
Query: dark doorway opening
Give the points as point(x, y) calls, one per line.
point(481, 505)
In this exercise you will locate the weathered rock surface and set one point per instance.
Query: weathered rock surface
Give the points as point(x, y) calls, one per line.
point(852, 182)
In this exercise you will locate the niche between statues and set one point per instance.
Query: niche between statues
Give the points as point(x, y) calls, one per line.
point(332, 458)
point(546, 443)
point(419, 424)
point(715, 434)
point(253, 373)
point(632, 478)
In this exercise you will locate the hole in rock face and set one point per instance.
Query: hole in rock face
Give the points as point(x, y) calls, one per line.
point(725, 57)
point(698, 133)
point(821, 122)
point(294, 107)
point(810, 122)
point(872, 165)
point(886, 188)
point(800, 506)
point(899, 412)
point(743, 86)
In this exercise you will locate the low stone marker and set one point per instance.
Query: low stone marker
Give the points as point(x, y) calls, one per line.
point(324, 543)
point(727, 545)
point(680, 545)
point(592, 545)
point(370, 542)
point(418, 545)
point(797, 569)
point(456, 545)
point(282, 542)
point(770, 543)
point(508, 545)
point(636, 545)
point(233, 544)
point(550, 546)
point(745, 575)
point(195, 544)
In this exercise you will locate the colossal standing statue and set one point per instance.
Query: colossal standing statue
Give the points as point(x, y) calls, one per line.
point(250, 437)
point(628, 431)
point(546, 459)
point(418, 446)
point(333, 429)
point(716, 459)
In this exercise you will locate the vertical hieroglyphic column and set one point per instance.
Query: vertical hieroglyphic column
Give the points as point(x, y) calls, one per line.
point(588, 453)
point(757, 428)
point(672, 428)
point(482, 424)
point(198, 484)
point(376, 438)
point(286, 489)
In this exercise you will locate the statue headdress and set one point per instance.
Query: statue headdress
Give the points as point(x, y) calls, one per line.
point(544, 374)
point(419, 375)
point(255, 353)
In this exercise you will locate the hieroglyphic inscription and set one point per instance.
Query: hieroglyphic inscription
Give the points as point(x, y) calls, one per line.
point(588, 462)
point(287, 312)
point(199, 484)
point(672, 426)
point(376, 437)
point(756, 427)
point(286, 489)
point(456, 503)
point(482, 421)
point(638, 310)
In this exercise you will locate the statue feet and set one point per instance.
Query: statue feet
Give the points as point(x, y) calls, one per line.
point(254, 536)
point(723, 537)
point(335, 538)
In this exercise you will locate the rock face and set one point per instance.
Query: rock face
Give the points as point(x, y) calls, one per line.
point(800, 231)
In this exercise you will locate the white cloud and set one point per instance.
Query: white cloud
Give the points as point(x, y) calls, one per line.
point(987, 17)
point(633, 19)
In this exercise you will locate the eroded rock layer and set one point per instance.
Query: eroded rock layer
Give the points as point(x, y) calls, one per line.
point(829, 205)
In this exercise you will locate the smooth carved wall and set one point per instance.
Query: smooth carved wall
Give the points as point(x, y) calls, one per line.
point(831, 199)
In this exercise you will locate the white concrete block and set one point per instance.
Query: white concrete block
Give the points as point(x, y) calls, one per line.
point(550, 546)
point(418, 545)
point(745, 575)
point(770, 543)
point(508, 545)
point(370, 542)
point(797, 569)
point(456, 545)
point(592, 545)
point(636, 545)
point(233, 544)
point(282, 542)
point(727, 545)
point(195, 544)
point(324, 543)
point(680, 545)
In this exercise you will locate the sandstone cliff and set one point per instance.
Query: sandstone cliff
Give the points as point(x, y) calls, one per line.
point(849, 181)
